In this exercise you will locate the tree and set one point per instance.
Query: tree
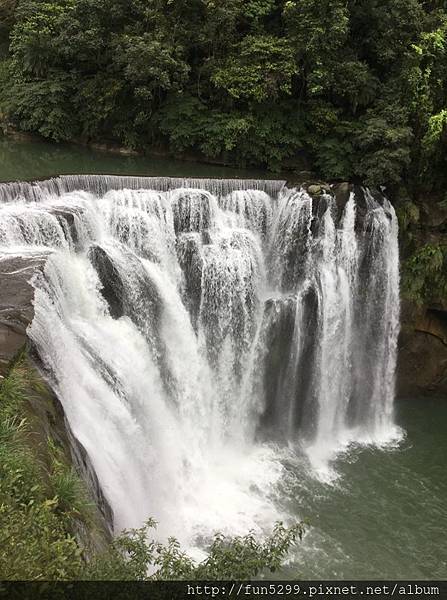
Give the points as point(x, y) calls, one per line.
point(358, 86)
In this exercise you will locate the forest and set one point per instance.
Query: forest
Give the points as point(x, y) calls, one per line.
point(350, 89)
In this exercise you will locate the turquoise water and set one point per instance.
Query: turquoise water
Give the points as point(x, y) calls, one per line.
point(385, 514)
point(38, 160)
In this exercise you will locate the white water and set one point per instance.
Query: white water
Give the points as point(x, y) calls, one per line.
point(194, 337)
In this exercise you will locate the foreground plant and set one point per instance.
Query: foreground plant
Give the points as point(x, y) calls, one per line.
point(132, 557)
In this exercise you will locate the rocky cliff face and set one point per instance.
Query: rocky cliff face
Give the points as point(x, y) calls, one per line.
point(422, 360)
point(422, 367)
point(16, 303)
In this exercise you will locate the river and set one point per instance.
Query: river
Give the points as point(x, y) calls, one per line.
point(376, 511)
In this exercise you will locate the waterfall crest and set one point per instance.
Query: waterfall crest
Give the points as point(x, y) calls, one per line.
point(193, 329)
point(101, 184)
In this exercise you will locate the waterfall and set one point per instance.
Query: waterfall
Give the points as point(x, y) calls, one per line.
point(195, 330)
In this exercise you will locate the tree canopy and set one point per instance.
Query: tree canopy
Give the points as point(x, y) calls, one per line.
point(359, 87)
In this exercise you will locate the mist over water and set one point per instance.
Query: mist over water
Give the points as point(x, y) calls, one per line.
point(203, 336)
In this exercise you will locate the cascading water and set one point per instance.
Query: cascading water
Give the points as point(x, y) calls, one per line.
point(195, 331)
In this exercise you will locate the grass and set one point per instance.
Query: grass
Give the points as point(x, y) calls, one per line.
point(40, 495)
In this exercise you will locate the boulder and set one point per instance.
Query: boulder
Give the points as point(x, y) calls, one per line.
point(112, 285)
point(318, 189)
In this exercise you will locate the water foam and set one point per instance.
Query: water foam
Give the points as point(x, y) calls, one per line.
point(194, 334)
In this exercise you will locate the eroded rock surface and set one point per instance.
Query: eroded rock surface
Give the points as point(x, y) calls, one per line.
point(422, 358)
point(16, 302)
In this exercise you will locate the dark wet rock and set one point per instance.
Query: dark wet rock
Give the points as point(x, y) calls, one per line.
point(422, 358)
point(190, 259)
point(319, 207)
point(132, 294)
point(342, 193)
point(67, 222)
point(288, 384)
point(16, 308)
point(361, 207)
point(112, 285)
point(279, 317)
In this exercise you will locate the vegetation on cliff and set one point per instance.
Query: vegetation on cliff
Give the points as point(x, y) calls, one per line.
point(40, 495)
point(47, 521)
point(423, 235)
point(357, 87)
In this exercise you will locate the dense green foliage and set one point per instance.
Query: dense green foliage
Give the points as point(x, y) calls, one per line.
point(44, 505)
point(235, 558)
point(358, 87)
point(424, 275)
